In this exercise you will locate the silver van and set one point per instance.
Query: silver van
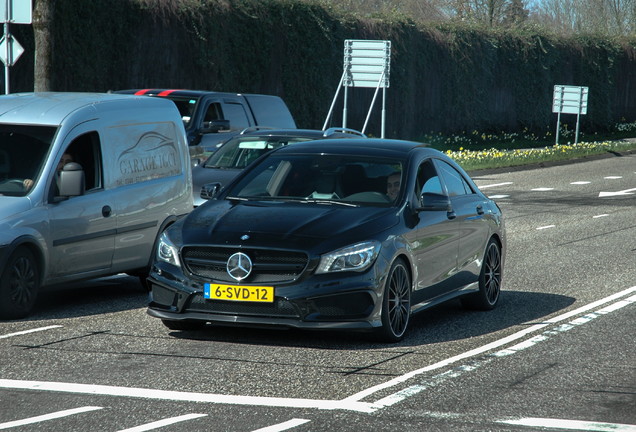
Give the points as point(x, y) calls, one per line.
point(88, 181)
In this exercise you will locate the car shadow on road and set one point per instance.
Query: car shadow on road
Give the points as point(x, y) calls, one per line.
point(444, 323)
point(86, 298)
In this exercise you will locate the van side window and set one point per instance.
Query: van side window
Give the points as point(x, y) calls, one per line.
point(85, 150)
point(235, 113)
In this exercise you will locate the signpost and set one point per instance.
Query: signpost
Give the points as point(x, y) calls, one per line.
point(16, 12)
point(366, 64)
point(569, 100)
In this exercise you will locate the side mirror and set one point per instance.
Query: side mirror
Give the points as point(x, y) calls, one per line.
point(434, 202)
point(214, 126)
point(71, 180)
point(209, 190)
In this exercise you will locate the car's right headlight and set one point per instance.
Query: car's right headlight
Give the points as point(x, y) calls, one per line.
point(167, 251)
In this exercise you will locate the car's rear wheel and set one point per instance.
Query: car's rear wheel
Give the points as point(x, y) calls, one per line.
point(183, 324)
point(19, 285)
point(396, 303)
point(489, 280)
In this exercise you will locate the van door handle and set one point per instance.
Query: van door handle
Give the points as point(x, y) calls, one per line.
point(480, 209)
point(106, 211)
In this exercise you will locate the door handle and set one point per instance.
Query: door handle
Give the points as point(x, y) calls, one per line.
point(106, 211)
point(480, 209)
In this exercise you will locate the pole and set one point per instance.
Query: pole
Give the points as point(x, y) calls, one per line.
point(556, 142)
point(7, 43)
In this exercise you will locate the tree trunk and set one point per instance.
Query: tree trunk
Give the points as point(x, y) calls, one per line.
point(42, 18)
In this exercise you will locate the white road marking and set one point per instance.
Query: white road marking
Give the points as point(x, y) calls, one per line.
point(20, 333)
point(581, 426)
point(600, 216)
point(498, 196)
point(613, 177)
point(283, 426)
point(164, 422)
point(146, 393)
point(580, 183)
point(543, 189)
point(623, 192)
point(495, 185)
point(46, 417)
point(353, 402)
point(546, 227)
point(484, 348)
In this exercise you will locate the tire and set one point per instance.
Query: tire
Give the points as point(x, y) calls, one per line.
point(396, 303)
point(183, 324)
point(490, 279)
point(19, 285)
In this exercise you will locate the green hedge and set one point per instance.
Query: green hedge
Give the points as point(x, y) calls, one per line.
point(446, 78)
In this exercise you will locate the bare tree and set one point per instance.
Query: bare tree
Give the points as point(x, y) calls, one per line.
point(609, 17)
point(42, 18)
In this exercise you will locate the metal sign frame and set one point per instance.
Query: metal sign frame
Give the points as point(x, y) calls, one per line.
point(569, 100)
point(367, 63)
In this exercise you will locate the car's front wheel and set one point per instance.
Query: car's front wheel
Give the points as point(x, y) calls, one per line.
point(396, 303)
point(19, 284)
point(489, 280)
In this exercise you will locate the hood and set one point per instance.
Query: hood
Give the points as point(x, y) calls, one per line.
point(201, 176)
point(284, 224)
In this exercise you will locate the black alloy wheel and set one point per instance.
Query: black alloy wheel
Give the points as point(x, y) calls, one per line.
point(396, 303)
point(19, 285)
point(489, 280)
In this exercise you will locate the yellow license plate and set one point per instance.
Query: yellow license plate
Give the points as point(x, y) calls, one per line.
point(239, 293)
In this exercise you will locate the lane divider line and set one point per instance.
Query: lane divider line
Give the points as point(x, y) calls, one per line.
point(20, 333)
point(45, 417)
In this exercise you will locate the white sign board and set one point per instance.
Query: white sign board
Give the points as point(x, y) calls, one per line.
point(16, 11)
point(569, 99)
point(367, 63)
point(10, 52)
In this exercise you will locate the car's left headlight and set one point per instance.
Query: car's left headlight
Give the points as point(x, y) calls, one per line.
point(358, 257)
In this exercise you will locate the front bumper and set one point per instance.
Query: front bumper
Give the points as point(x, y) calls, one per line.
point(346, 301)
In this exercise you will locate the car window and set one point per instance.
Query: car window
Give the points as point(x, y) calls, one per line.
point(347, 178)
point(454, 181)
point(240, 151)
point(428, 179)
point(235, 113)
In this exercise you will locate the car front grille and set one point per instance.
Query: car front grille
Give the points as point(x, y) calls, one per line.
point(269, 266)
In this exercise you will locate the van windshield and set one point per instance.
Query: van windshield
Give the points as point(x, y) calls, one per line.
point(23, 151)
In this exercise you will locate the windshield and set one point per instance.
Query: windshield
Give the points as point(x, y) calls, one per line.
point(345, 179)
point(242, 150)
point(23, 151)
point(185, 107)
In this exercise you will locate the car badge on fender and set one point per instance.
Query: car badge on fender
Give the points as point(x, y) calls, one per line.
point(239, 266)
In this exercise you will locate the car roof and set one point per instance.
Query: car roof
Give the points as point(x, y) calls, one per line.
point(371, 146)
point(303, 133)
point(171, 92)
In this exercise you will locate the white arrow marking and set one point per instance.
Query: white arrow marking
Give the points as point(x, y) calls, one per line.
point(623, 192)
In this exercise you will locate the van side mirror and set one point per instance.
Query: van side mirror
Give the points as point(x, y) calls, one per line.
point(214, 126)
point(71, 180)
point(434, 202)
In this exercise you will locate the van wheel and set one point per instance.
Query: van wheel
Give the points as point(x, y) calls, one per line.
point(19, 285)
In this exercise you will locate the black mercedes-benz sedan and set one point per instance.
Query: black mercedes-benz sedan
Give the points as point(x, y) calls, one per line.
point(342, 233)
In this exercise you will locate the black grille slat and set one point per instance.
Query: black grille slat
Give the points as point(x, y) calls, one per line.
point(279, 308)
point(270, 266)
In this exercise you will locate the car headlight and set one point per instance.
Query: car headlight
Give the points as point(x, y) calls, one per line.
point(167, 251)
point(358, 257)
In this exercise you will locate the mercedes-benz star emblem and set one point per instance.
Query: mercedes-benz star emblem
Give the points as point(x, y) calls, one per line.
point(239, 266)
